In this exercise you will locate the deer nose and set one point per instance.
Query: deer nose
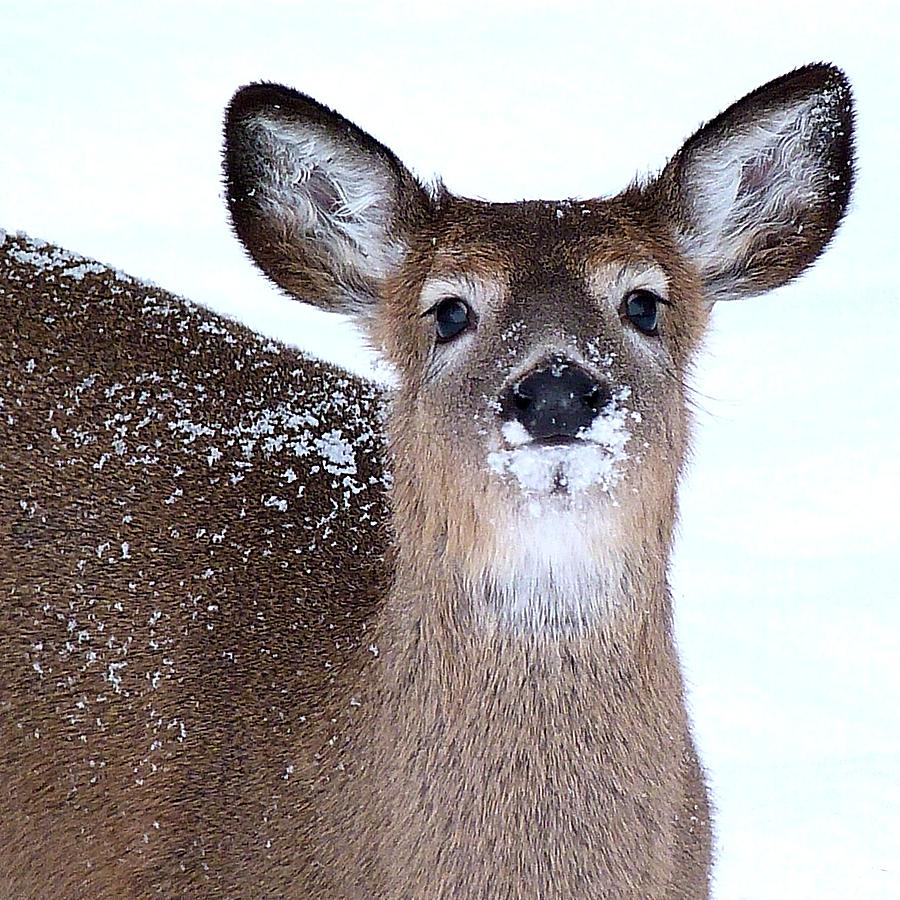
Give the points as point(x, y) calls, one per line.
point(556, 401)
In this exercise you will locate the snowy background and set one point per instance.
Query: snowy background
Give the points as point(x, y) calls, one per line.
point(787, 574)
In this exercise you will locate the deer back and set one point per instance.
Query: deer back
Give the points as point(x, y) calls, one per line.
point(192, 542)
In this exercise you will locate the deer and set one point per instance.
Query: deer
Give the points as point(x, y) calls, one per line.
point(268, 631)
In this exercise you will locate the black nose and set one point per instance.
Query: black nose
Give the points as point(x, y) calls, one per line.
point(556, 401)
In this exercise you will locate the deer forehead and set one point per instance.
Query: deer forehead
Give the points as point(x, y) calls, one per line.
point(531, 240)
point(537, 262)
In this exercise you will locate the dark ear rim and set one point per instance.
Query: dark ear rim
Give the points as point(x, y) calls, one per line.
point(250, 99)
point(789, 89)
point(411, 201)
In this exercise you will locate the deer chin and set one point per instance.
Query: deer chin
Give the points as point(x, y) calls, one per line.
point(576, 471)
point(557, 469)
point(553, 572)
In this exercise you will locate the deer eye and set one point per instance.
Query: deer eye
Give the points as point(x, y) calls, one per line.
point(641, 308)
point(451, 318)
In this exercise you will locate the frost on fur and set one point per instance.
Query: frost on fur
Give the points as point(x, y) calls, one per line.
point(594, 460)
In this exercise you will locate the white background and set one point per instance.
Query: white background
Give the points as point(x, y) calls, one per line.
point(786, 574)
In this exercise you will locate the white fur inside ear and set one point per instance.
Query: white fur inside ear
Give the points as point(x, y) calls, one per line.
point(768, 175)
point(327, 191)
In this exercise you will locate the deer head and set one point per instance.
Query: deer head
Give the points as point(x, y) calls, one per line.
point(543, 348)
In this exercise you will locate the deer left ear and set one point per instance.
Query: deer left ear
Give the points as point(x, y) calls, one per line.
point(757, 194)
point(323, 208)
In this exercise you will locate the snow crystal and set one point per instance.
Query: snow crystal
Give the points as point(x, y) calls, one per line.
point(78, 272)
point(276, 503)
point(337, 453)
point(515, 434)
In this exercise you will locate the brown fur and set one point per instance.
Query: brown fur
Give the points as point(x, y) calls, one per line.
point(169, 775)
point(330, 722)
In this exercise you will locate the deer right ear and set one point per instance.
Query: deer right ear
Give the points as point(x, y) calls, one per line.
point(757, 193)
point(321, 207)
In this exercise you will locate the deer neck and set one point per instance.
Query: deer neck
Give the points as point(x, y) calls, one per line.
point(492, 596)
point(500, 745)
point(446, 638)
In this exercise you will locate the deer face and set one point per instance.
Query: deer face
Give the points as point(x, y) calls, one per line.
point(542, 348)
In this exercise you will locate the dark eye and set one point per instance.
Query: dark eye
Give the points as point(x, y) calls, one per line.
point(641, 308)
point(451, 317)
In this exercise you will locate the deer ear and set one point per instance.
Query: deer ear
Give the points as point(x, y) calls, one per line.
point(321, 207)
point(757, 193)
